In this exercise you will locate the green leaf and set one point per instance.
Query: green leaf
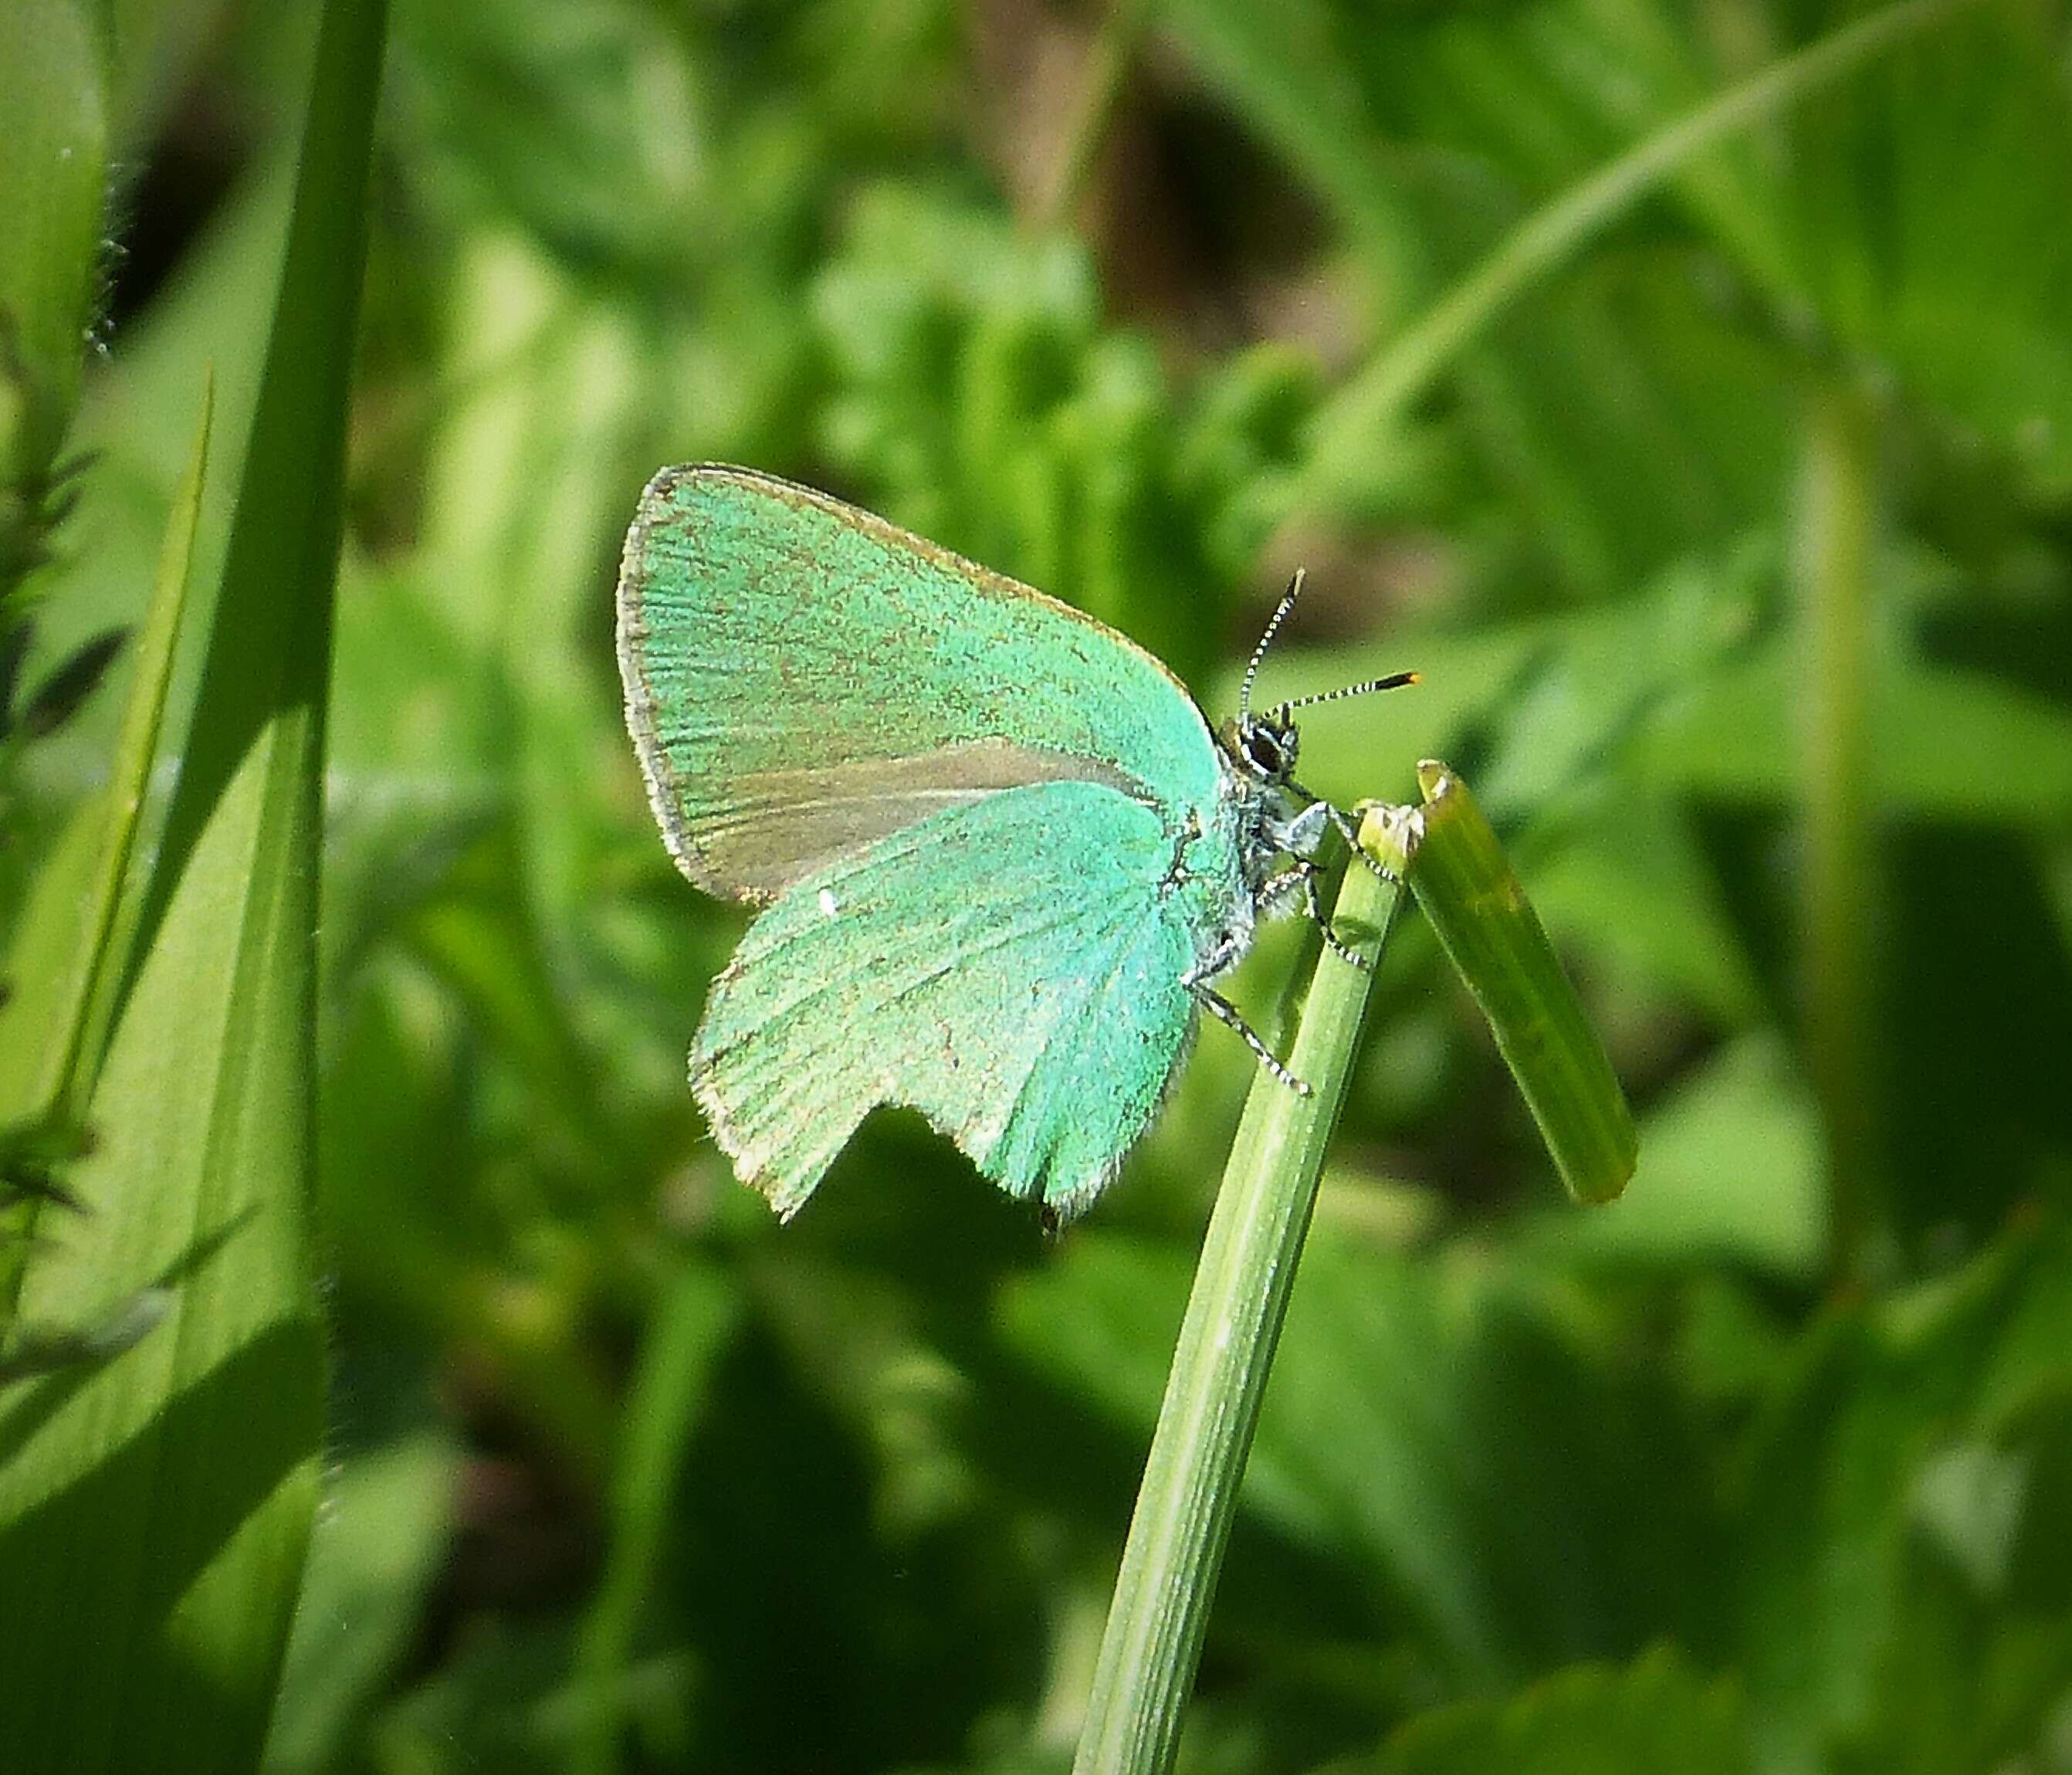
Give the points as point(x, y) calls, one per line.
point(1409, 364)
point(1618, 426)
point(1624, 886)
point(1655, 1714)
point(1945, 265)
point(979, 400)
point(135, 433)
point(1902, 1597)
point(1508, 1488)
point(155, 1514)
point(1945, 745)
point(576, 116)
point(1730, 1170)
point(387, 1517)
point(1553, 699)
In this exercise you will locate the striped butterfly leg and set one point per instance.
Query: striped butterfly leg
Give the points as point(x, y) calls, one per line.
point(1196, 980)
point(1348, 829)
point(1302, 874)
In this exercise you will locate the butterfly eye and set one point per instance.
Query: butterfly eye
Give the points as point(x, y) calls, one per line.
point(1269, 750)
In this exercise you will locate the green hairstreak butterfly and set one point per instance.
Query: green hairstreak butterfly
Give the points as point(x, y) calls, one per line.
point(1001, 856)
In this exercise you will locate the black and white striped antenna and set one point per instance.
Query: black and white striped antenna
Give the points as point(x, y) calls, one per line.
point(1258, 653)
point(1394, 681)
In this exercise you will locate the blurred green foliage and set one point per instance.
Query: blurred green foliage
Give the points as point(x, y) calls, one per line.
point(624, 1475)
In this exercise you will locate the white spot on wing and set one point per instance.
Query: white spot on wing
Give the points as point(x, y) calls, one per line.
point(829, 905)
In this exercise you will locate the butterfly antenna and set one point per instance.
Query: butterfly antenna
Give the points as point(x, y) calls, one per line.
point(1394, 681)
point(1272, 628)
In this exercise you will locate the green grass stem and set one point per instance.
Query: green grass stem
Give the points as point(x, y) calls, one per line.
point(1185, 1506)
point(668, 1389)
point(1835, 540)
point(69, 953)
point(81, 1028)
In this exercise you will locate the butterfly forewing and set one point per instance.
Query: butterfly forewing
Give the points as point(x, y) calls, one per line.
point(802, 677)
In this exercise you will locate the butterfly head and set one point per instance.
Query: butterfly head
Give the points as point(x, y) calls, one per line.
point(1265, 746)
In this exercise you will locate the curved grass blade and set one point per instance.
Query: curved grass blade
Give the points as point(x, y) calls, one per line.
point(1465, 885)
point(154, 1511)
point(1396, 375)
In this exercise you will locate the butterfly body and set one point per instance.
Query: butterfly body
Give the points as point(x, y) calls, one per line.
point(999, 850)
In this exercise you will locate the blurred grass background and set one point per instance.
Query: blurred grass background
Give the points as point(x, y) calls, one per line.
point(1734, 555)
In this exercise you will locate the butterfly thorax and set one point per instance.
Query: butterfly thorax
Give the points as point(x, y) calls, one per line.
point(1227, 853)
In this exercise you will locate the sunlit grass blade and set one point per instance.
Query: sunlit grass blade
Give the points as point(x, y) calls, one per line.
point(1465, 885)
point(53, 178)
point(154, 1510)
point(66, 954)
point(1189, 1496)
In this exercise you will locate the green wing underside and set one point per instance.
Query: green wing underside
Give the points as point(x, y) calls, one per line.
point(803, 678)
point(1010, 968)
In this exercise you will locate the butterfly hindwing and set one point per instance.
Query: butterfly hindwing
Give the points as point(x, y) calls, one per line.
point(803, 678)
point(1009, 967)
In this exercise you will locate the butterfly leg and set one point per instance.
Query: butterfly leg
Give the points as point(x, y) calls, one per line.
point(1196, 980)
point(1303, 874)
point(1215, 1002)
